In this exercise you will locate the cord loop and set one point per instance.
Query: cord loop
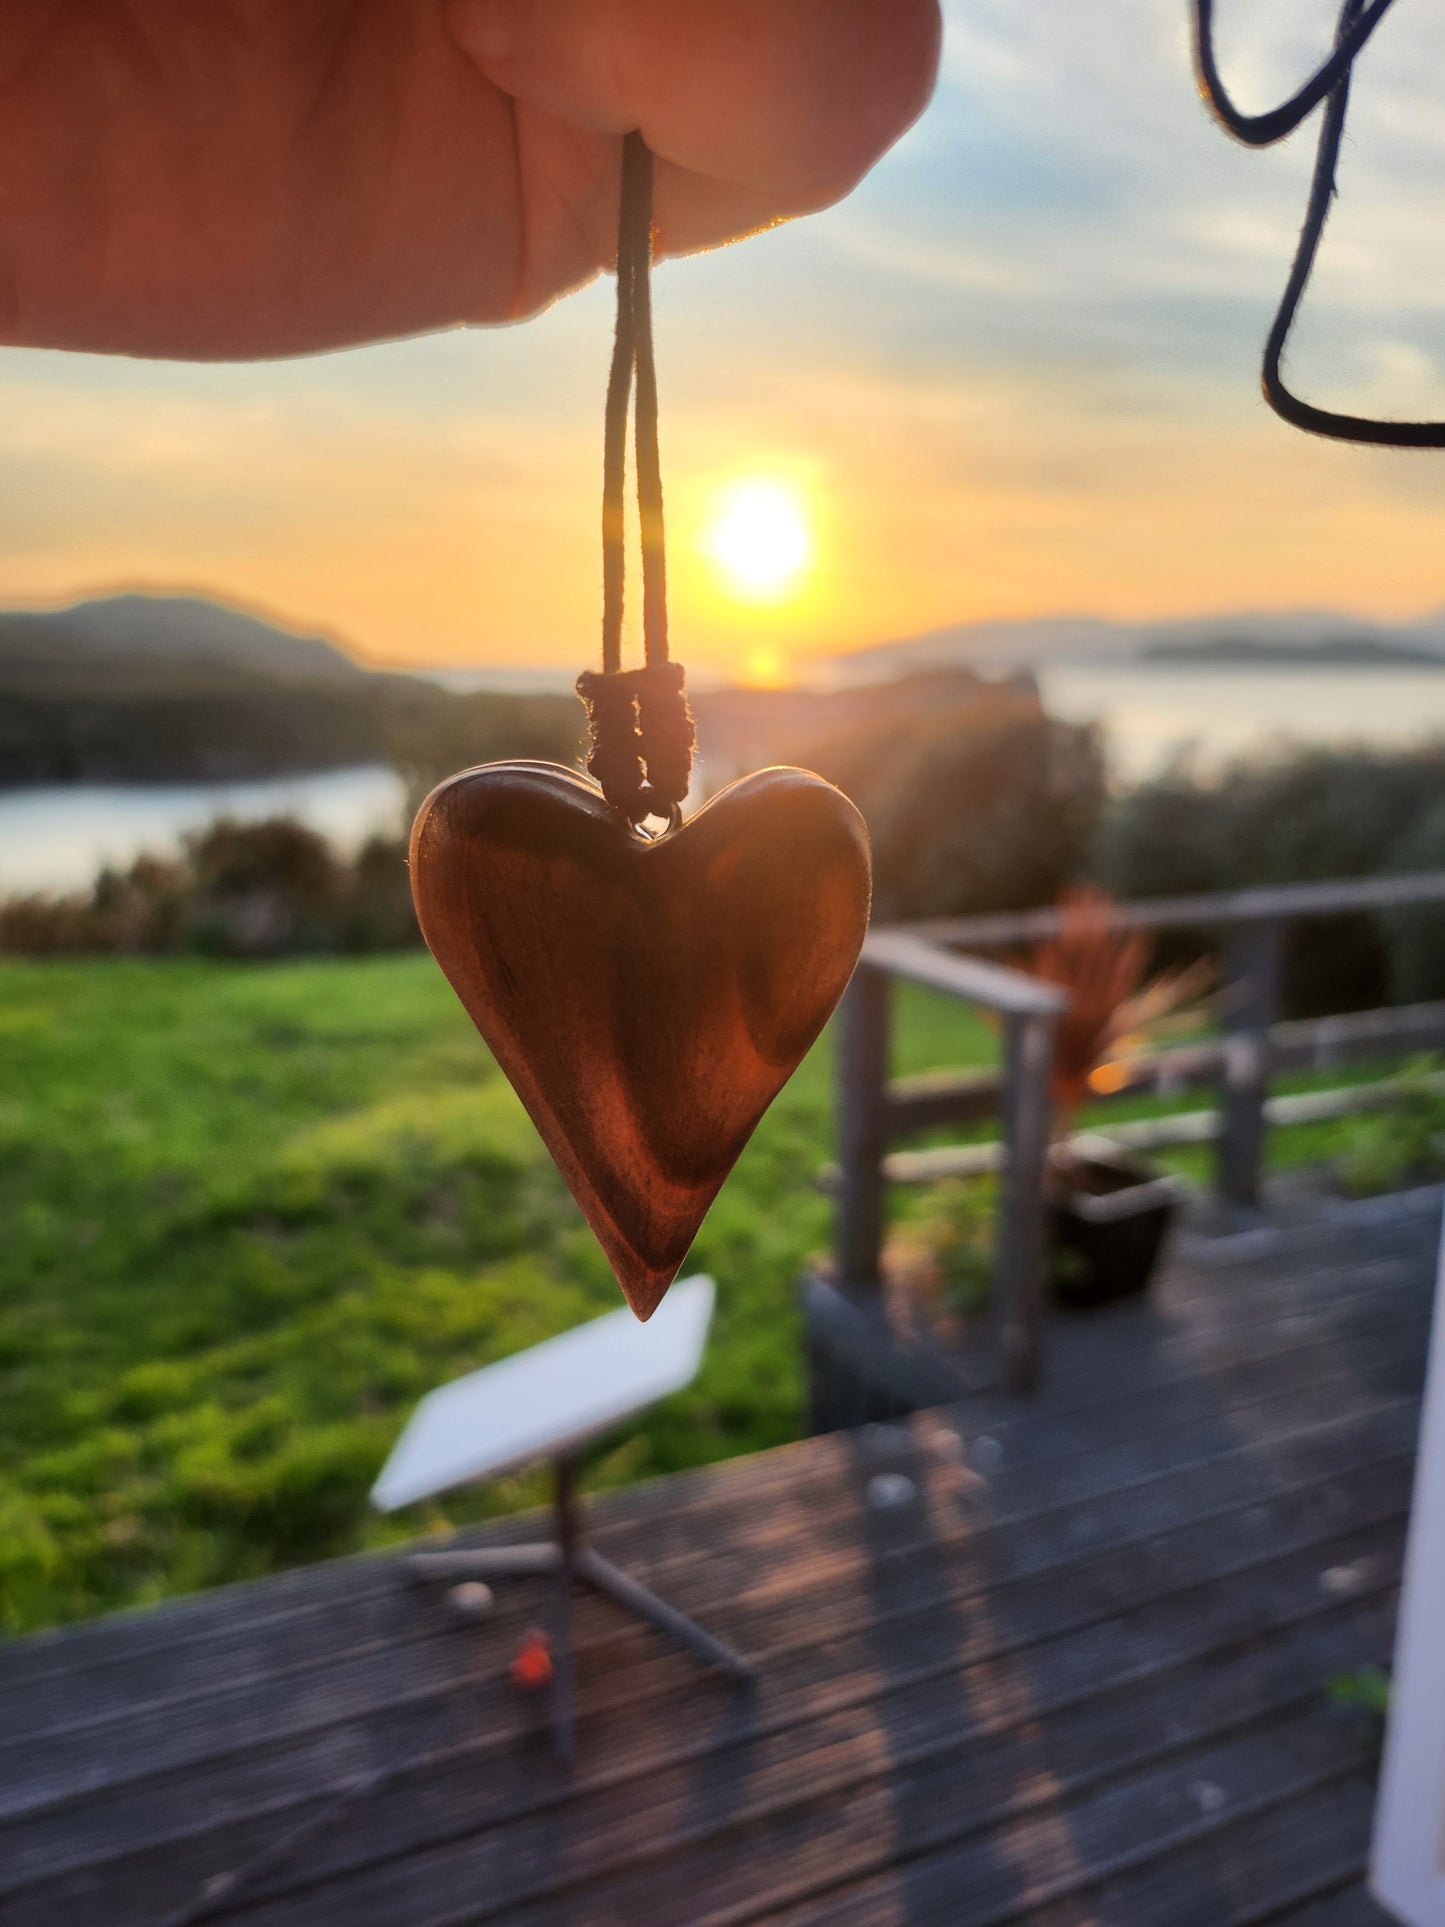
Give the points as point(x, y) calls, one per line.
point(642, 733)
point(642, 737)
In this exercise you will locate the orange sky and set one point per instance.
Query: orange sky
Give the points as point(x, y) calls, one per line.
point(1015, 375)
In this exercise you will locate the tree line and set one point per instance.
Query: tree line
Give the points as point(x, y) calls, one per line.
point(976, 800)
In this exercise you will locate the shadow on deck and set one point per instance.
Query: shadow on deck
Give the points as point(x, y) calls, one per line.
point(1063, 1661)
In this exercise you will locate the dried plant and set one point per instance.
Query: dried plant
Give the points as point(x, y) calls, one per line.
point(1113, 1004)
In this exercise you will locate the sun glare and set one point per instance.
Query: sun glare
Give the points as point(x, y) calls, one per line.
point(759, 540)
point(765, 669)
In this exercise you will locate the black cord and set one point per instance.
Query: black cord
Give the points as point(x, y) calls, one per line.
point(1263, 130)
point(1330, 83)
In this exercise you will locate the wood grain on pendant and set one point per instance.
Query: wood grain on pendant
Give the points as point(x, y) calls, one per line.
point(647, 1000)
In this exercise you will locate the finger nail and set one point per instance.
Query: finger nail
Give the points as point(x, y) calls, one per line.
point(484, 28)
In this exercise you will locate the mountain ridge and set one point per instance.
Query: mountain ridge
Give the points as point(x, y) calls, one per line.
point(1310, 635)
point(182, 628)
point(157, 634)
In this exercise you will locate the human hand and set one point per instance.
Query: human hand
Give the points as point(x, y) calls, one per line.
point(243, 178)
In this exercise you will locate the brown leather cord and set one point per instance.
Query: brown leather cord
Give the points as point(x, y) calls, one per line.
point(641, 726)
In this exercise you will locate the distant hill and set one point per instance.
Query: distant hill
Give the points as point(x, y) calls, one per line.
point(173, 635)
point(1244, 652)
point(172, 688)
point(180, 688)
point(985, 645)
point(1286, 637)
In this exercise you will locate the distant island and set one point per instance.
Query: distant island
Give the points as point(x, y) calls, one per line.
point(1343, 652)
point(160, 689)
point(181, 689)
point(1273, 638)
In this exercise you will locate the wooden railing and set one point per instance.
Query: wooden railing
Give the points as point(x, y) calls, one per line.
point(875, 1110)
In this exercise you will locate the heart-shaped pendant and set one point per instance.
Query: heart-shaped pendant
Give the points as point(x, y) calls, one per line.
point(648, 999)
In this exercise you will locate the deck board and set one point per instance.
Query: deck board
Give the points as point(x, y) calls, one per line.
point(1075, 1673)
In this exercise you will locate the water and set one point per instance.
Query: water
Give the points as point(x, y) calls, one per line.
point(56, 839)
point(1151, 711)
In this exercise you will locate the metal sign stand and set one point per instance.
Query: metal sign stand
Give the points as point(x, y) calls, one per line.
point(573, 1561)
point(540, 1405)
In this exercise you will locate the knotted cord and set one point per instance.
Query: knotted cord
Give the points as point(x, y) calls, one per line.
point(641, 727)
point(1329, 83)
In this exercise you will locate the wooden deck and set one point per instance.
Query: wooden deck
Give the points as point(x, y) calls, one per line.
point(1060, 1663)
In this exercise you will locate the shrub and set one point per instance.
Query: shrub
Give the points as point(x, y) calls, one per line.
point(432, 734)
point(237, 890)
point(940, 1260)
point(1403, 1142)
point(260, 889)
point(1415, 938)
point(1308, 814)
point(972, 808)
point(1113, 1000)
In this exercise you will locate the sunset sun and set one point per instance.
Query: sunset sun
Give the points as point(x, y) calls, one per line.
point(759, 540)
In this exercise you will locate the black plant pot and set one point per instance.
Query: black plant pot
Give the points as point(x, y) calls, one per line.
point(1107, 1218)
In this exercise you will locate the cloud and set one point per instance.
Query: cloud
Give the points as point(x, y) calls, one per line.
point(1017, 371)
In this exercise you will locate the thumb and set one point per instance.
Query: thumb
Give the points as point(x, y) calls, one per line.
point(790, 99)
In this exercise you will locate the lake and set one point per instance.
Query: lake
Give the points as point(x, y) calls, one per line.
point(56, 839)
point(1150, 711)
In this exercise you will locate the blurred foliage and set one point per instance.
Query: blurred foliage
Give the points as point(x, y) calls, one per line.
point(943, 1248)
point(1401, 1143)
point(1367, 1687)
point(975, 801)
point(1363, 1696)
point(265, 889)
point(970, 807)
point(122, 717)
point(1415, 939)
point(253, 1214)
point(1113, 1002)
point(273, 888)
point(427, 740)
point(1297, 816)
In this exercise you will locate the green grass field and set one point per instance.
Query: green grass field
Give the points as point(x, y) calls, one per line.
point(252, 1213)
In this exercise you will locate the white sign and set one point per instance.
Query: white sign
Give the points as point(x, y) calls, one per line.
point(1407, 1870)
point(547, 1401)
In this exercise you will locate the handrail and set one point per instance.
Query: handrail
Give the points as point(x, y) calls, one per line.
point(1028, 1010)
point(948, 1098)
point(873, 1109)
point(1011, 993)
point(1283, 902)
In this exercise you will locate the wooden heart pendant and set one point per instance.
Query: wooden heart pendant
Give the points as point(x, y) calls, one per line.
point(647, 999)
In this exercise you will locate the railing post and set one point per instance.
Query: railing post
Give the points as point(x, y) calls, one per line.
point(863, 1049)
point(1253, 955)
point(1019, 1262)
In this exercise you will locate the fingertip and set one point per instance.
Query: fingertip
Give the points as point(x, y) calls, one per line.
point(792, 99)
point(758, 110)
point(916, 29)
point(893, 72)
point(485, 29)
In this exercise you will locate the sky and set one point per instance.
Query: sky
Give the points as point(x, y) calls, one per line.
point(1014, 375)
